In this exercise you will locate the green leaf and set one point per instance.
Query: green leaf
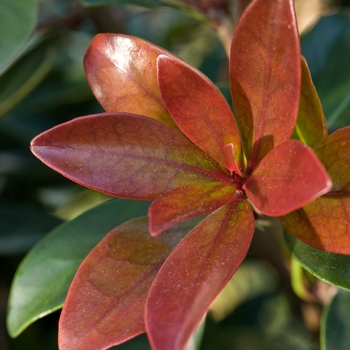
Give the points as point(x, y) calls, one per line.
point(144, 3)
point(335, 327)
point(18, 19)
point(329, 267)
point(195, 272)
point(265, 76)
point(106, 301)
point(125, 155)
point(44, 276)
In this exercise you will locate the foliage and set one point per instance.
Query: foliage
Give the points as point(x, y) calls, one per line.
point(168, 135)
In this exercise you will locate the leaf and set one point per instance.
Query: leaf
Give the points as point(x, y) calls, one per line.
point(289, 177)
point(311, 125)
point(329, 267)
point(335, 327)
point(43, 278)
point(144, 3)
point(106, 300)
point(122, 73)
point(199, 109)
point(265, 76)
point(125, 155)
point(324, 223)
point(19, 19)
point(187, 202)
point(195, 273)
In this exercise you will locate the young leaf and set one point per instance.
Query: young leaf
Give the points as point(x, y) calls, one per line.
point(265, 76)
point(198, 108)
point(195, 273)
point(323, 223)
point(125, 155)
point(187, 202)
point(42, 280)
point(122, 73)
point(311, 125)
point(106, 300)
point(289, 177)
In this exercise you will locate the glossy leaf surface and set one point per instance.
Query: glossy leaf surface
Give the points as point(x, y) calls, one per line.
point(198, 108)
point(335, 330)
point(106, 300)
point(329, 267)
point(41, 282)
point(265, 76)
point(18, 18)
point(195, 273)
point(324, 223)
point(289, 177)
point(187, 202)
point(122, 73)
point(125, 155)
point(311, 124)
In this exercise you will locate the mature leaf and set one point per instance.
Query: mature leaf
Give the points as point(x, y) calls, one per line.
point(329, 267)
point(125, 155)
point(187, 202)
point(335, 329)
point(289, 177)
point(144, 3)
point(43, 278)
point(122, 74)
point(324, 223)
point(265, 76)
point(198, 108)
point(195, 273)
point(17, 20)
point(311, 125)
point(106, 300)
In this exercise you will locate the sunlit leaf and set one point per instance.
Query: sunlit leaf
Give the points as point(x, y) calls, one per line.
point(335, 330)
point(106, 301)
point(265, 76)
point(199, 109)
point(187, 202)
point(329, 267)
point(43, 278)
point(311, 124)
point(324, 223)
point(17, 20)
point(289, 177)
point(125, 155)
point(195, 273)
point(122, 74)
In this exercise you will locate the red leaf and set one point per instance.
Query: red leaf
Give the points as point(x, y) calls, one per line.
point(106, 301)
point(122, 73)
point(199, 109)
point(311, 125)
point(289, 177)
point(195, 273)
point(187, 202)
point(125, 155)
point(324, 223)
point(265, 76)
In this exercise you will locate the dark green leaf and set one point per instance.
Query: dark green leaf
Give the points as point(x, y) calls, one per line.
point(17, 20)
point(43, 278)
point(329, 267)
point(335, 331)
point(144, 3)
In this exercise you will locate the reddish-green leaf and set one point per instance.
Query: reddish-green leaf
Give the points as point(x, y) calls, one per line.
point(324, 223)
point(311, 125)
point(198, 108)
point(195, 273)
point(122, 73)
point(106, 301)
point(289, 177)
point(187, 202)
point(265, 76)
point(125, 155)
